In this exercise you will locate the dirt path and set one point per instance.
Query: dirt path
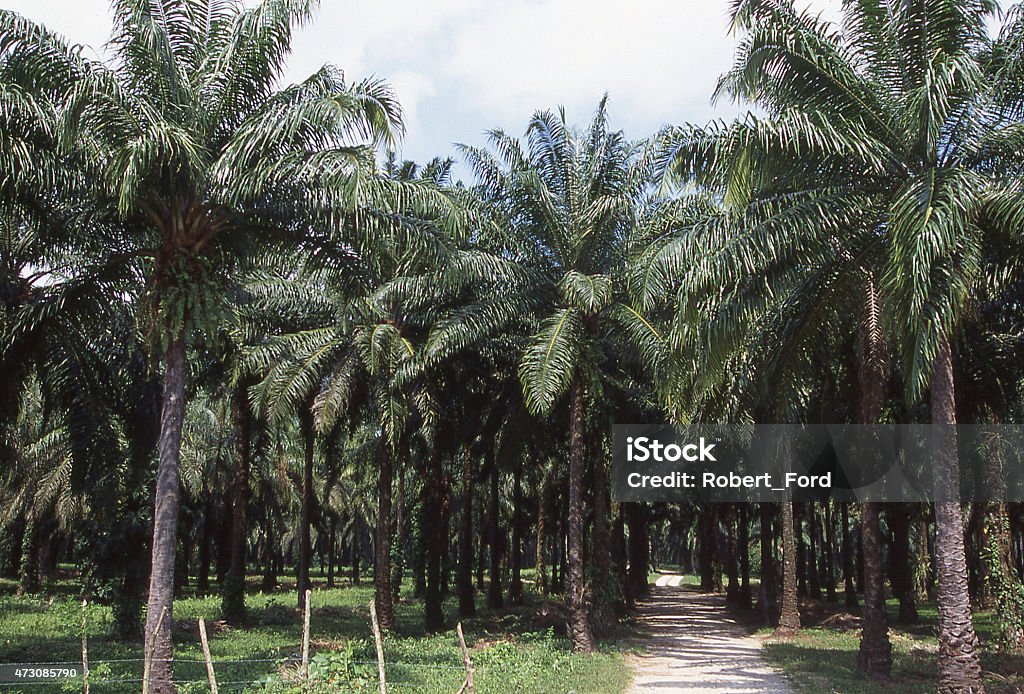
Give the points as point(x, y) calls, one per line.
point(690, 643)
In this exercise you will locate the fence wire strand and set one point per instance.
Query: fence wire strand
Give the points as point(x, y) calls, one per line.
point(254, 674)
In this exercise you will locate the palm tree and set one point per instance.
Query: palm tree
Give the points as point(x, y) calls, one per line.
point(564, 209)
point(990, 388)
point(204, 161)
point(880, 142)
point(207, 440)
point(342, 358)
point(37, 484)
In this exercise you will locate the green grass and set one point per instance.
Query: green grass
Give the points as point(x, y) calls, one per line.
point(823, 658)
point(513, 651)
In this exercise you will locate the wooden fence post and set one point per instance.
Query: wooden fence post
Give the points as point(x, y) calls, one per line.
point(305, 640)
point(379, 642)
point(85, 649)
point(467, 685)
point(210, 675)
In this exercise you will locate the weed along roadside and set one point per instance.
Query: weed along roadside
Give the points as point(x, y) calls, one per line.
point(508, 653)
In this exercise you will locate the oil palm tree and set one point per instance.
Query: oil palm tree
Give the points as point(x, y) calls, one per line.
point(342, 357)
point(191, 146)
point(37, 488)
point(884, 144)
point(340, 370)
point(564, 209)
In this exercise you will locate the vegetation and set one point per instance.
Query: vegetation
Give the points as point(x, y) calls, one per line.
point(241, 339)
point(511, 652)
point(824, 656)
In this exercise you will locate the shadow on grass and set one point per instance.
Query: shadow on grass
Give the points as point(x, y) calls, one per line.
point(819, 664)
point(513, 651)
point(823, 656)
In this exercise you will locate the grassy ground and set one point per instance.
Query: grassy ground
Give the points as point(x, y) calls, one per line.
point(688, 580)
point(513, 652)
point(823, 657)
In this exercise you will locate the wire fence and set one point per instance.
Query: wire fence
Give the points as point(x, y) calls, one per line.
point(275, 675)
point(326, 671)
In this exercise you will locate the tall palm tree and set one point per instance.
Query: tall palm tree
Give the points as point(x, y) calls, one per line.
point(187, 139)
point(565, 208)
point(878, 142)
point(342, 358)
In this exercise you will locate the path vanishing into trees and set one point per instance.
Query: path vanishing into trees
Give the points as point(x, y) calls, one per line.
point(689, 642)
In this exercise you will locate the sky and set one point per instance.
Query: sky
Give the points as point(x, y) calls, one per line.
point(461, 67)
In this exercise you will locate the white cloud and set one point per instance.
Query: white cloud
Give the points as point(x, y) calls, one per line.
point(463, 66)
point(412, 89)
point(659, 59)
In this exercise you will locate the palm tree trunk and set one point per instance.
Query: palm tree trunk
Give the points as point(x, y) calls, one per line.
point(306, 516)
point(515, 587)
point(708, 526)
point(433, 612)
point(743, 542)
point(481, 547)
point(467, 601)
point(1004, 583)
point(331, 544)
point(205, 545)
point(495, 540)
point(576, 600)
point(11, 543)
point(959, 666)
point(977, 579)
point(639, 551)
point(813, 574)
point(801, 550)
point(444, 545)
point(1015, 513)
point(222, 557)
point(899, 562)
point(382, 596)
point(269, 582)
point(731, 560)
point(357, 553)
point(160, 605)
point(875, 656)
point(233, 602)
point(398, 559)
point(559, 570)
point(421, 521)
point(923, 587)
point(789, 611)
point(619, 558)
point(541, 536)
point(28, 571)
point(605, 589)
point(789, 616)
point(847, 545)
point(768, 588)
point(830, 554)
